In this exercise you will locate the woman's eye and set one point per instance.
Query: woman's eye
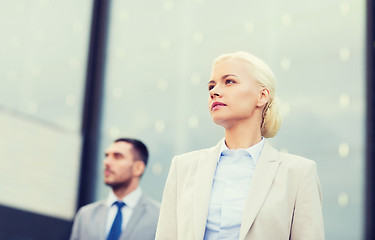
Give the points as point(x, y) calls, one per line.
point(210, 87)
point(229, 81)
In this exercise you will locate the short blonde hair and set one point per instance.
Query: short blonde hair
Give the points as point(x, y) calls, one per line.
point(271, 119)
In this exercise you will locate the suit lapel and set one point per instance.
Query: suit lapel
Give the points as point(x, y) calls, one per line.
point(203, 185)
point(264, 174)
point(134, 220)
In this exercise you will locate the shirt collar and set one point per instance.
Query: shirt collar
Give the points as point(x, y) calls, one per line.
point(131, 200)
point(254, 150)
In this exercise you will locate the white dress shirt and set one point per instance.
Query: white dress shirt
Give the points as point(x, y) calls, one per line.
point(130, 200)
point(231, 183)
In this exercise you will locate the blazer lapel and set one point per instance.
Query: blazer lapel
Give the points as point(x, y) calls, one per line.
point(134, 220)
point(264, 174)
point(203, 185)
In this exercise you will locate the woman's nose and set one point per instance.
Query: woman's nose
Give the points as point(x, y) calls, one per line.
point(215, 92)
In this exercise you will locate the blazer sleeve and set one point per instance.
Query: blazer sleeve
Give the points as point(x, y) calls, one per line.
point(167, 224)
point(308, 218)
point(76, 226)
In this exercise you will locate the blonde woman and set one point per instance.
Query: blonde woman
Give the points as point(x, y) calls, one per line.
point(242, 188)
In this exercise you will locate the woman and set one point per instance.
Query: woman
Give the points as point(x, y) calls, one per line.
point(242, 188)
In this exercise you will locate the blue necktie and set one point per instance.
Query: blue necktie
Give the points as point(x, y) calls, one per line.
point(115, 231)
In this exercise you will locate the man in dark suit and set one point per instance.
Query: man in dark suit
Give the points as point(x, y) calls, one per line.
point(127, 213)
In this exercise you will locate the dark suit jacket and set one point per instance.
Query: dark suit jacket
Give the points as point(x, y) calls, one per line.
point(90, 221)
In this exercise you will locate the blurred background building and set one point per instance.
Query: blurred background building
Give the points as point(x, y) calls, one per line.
point(75, 75)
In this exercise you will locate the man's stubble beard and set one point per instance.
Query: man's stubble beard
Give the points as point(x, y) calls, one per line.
point(120, 185)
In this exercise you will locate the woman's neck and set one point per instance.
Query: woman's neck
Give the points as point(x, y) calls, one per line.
point(242, 135)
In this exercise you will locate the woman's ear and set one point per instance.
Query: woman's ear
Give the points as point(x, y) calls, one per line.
point(264, 97)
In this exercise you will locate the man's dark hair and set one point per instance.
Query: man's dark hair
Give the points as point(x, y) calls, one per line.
point(140, 149)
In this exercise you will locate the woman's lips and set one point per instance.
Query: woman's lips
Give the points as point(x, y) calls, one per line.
point(217, 105)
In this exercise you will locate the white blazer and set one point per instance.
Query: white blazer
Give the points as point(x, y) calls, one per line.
point(284, 199)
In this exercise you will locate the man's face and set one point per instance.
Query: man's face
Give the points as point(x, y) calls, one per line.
point(119, 165)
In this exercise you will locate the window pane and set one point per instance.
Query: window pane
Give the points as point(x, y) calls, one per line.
point(43, 65)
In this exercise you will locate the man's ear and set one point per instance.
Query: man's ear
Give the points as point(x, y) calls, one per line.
point(138, 168)
point(264, 97)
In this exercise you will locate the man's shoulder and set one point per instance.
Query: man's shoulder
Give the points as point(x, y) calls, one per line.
point(150, 203)
point(93, 207)
point(149, 210)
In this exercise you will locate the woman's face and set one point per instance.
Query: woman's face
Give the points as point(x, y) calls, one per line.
point(234, 95)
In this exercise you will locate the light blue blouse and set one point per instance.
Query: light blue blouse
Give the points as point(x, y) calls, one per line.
point(234, 172)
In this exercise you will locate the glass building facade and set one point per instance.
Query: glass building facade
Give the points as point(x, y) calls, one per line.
point(157, 66)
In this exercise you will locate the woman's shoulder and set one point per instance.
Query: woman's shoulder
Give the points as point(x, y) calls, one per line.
point(195, 154)
point(296, 161)
point(193, 157)
point(288, 159)
point(189, 161)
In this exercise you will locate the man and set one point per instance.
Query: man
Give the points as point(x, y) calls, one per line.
point(127, 213)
